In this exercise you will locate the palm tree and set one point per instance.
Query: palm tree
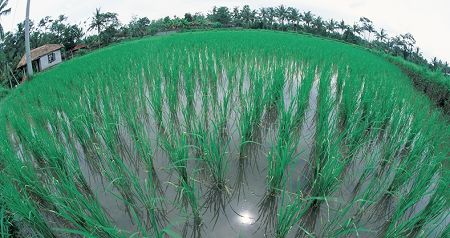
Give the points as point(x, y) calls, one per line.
point(331, 26)
point(263, 14)
point(318, 24)
point(247, 15)
point(281, 14)
point(271, 14)
point(3, 12)
point(342, 26)
point(293, 16)
point(308, 17)
point(236, 15)
point(367, 26)
point(434, 64)
point(98, 21)
point(381, 36)
point(356, 29)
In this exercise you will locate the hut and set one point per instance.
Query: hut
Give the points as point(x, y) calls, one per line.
point(43, 57)
point(76, 49)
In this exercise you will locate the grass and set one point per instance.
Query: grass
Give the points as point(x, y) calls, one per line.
point(428, 75)
point(436, 85)
point(144, 139)
point(3, 92)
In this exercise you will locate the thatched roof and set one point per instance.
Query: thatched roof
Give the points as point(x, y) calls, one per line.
point(39, 52)
point(79, 47)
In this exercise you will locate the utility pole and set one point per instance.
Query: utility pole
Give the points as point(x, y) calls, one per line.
point(27, 41)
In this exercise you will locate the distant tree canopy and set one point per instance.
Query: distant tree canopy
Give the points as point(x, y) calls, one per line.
point(107, 29)
point(221, 15)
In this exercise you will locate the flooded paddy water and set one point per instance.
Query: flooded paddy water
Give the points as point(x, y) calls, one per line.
point(241, 207)
point(200, 142)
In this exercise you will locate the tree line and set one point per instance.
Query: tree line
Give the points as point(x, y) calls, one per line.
point(105, 28)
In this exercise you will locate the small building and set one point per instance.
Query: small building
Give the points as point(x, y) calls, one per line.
point(43, 57)
point(76, 49)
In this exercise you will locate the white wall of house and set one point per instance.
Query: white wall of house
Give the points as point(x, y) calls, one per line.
point(45, 61)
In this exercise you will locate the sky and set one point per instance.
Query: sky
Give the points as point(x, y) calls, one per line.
point(427, 20)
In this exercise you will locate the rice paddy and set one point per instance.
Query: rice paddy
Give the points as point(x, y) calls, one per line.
point(224, 133)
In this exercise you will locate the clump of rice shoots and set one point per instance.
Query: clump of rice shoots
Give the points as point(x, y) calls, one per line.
point(338, 142)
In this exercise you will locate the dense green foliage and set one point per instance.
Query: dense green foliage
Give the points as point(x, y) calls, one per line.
point(169, 127)
point(3, 92)
point(434, 84)
point(425, 73)
point(108, 29)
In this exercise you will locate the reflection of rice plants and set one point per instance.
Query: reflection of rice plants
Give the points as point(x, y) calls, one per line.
point(338, 143)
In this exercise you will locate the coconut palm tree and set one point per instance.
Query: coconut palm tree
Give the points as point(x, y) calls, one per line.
point(331, 26)
point(247, 16)
point(293, 16)
point(342, 26)
point(3, 12)
point(308, 17)
point(366, 26)
point(381, 36)
point(236, 16)
point(318, 25)
point(263, 15)
point(356, 29)
point(98, 21)
point(271, 14)
point(281, 13)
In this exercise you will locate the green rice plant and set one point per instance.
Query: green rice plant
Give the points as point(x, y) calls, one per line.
point(178, 151)
point(156, 99)
point(171, 87)
point(283, 152)
point(64, 180)
point(327, 163)
point(399, 227)
point(353, 216)
point(189, 92)
point(5, 222)
point(275, 85)
point(222, 106)
point(147, 194)
point(291, 210)
point(92, 134)
point(303, 93)
point(252, 108)
point(424, 222)
point(23, 207)
point(213, 152)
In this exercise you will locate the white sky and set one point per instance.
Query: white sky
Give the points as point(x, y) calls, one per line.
point(428, 21)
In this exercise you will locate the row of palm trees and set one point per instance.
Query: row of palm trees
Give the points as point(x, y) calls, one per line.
point(277, 18)
point(362, 32)
point(108, 29)
point(282, 17)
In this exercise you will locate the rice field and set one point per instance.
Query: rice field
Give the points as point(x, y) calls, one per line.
point(224, 134)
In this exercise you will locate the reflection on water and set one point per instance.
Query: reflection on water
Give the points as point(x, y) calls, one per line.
point(246, 218)
point(241, 204)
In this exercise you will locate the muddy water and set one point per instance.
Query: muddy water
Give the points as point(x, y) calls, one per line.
point(242, 208)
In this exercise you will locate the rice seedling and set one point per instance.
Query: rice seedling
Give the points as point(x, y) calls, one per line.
point(5, 222)
point(283, 152)
point(339, 144)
